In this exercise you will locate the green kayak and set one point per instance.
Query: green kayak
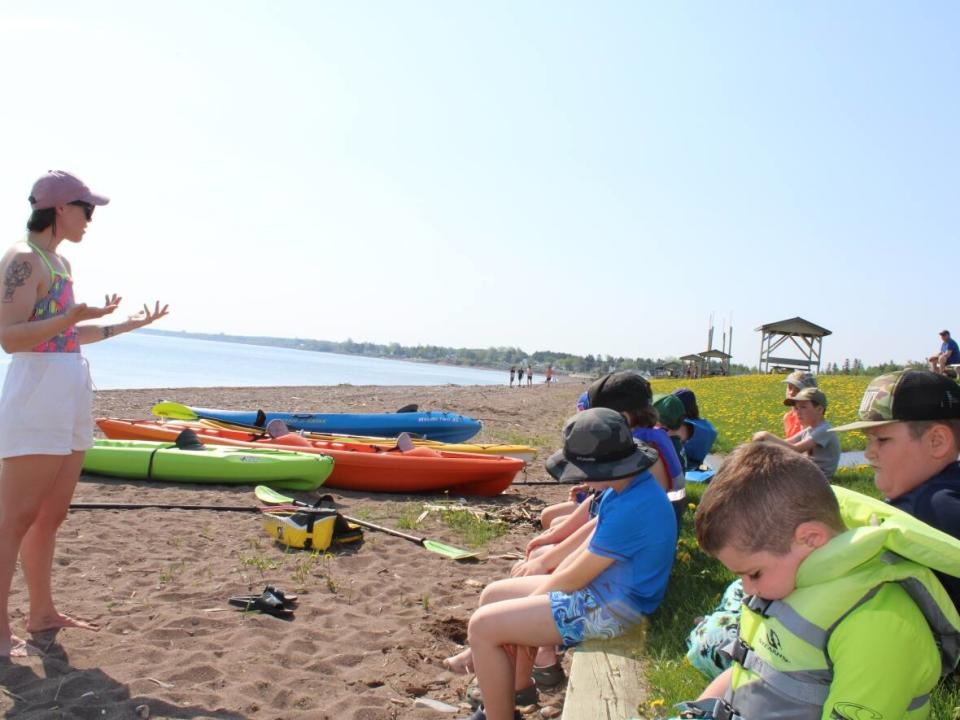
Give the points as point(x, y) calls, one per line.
point(145, 460)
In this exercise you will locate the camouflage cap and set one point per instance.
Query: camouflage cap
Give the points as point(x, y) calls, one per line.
point(907, 395)
point(801, 379)
point(813, 394)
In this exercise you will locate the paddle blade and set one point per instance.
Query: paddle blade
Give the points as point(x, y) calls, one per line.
point(454, 553)
point(270, 496)
point(174, 411)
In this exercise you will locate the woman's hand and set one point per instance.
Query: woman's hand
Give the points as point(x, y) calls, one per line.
point(82, 311)
point(147, 316)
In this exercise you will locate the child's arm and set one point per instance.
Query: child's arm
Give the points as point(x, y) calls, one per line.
point(799, 445)
point(576, 576)
point(718, 686)
point(563, 529)
point(548, 561)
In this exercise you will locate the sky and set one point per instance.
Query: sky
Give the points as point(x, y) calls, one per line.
point(582, 177)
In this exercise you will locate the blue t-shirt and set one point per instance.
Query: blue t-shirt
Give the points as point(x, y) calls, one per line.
point(637, 529)
point(583, 402)
point(661, 441)
point(937, 503)
point(954, 350)
point(700, 443)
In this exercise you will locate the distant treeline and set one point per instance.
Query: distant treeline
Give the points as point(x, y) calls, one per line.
point(492, 357)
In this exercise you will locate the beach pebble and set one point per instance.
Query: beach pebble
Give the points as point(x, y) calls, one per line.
point(142, 711)
point(426, 702)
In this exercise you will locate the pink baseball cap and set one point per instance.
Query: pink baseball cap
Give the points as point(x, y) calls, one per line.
point(58, 187)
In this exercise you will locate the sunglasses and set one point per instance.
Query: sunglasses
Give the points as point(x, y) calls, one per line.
point(87, 208)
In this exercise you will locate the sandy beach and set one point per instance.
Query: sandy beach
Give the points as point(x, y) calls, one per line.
point(374, 621)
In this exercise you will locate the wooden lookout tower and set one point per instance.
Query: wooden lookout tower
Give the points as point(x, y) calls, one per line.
point(805, 336)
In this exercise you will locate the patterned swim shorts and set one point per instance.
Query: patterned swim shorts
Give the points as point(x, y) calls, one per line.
point(716, 631)
point(580, 617)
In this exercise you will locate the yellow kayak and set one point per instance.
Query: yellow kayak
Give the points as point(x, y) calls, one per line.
point(522, 452)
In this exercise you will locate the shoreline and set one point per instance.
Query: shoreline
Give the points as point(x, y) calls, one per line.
point(375, 620)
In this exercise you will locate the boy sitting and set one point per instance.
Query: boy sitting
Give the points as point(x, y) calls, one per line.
point(597, 592)
point(815, 439)
point(829, 629)
point(912, 423)
point(796, 381)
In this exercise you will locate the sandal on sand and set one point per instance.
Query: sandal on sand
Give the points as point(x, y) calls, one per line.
point(479, 714)
point(527, 696)
point(548, 676)
point(268, 604)
point(288, 600)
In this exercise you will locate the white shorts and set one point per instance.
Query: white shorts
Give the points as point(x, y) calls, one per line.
point(46, 405)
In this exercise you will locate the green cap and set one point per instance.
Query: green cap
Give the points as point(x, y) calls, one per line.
point(670, 409)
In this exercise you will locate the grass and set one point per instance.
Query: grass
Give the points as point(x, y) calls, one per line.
point(695, 588)
point(472, 530)
point(739, 406)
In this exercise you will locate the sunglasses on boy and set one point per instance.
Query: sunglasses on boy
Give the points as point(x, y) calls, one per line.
point(87, 208)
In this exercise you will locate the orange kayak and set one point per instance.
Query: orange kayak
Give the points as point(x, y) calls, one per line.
point(356, 466)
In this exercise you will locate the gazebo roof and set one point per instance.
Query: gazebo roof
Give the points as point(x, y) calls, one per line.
point(715, 354)
point(691, 357)
point(795, 326)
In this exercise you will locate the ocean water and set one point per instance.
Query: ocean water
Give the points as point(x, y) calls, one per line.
point(141, 360)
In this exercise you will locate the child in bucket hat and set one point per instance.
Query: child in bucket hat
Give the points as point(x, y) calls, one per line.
point(912, 423)
point(601, 590)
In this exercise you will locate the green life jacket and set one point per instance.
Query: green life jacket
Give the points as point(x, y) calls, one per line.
point(790, 672)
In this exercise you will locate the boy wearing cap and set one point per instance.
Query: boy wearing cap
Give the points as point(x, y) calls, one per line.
point(796, 381)
point(912, 423)
point(815, 438)
point(598, 592)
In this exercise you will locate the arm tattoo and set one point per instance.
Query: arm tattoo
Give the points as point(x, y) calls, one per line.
point(107, 331)
point(15, 276)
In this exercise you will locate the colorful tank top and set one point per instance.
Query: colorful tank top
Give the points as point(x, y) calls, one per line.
point(57, 301)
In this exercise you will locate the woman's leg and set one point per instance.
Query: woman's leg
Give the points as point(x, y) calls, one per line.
point(524, 623)
point(36, 550)
point(25, 484)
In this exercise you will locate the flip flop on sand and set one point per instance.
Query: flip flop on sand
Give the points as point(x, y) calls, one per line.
point(288, 600)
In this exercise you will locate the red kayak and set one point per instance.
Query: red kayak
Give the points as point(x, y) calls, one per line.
point(356, 466)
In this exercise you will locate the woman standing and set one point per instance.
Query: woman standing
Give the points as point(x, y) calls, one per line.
point(45, 405)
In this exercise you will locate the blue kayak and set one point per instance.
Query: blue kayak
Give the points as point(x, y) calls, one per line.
point(443, 426)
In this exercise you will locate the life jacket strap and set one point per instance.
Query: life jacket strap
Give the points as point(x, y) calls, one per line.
point(811, 686)
point(710, 709)
point(790, 619)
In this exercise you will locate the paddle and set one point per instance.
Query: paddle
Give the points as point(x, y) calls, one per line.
point(272, 497)
point(174, 411)
point(288, 508)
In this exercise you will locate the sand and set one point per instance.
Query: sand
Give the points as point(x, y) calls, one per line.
point(374, 621)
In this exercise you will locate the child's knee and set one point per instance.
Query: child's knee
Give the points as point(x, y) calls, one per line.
point(481, 626)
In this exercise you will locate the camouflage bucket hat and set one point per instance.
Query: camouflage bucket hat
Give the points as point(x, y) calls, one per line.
point(597, 445)
point(907, 395)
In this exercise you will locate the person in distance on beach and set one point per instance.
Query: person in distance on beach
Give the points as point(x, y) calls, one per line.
point(45, 405)
point(529, 375)
point(513, 371)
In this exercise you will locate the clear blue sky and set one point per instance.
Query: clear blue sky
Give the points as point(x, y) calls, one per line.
point(583, 177)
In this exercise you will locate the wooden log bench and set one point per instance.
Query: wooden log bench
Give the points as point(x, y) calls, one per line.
point(606, 680)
